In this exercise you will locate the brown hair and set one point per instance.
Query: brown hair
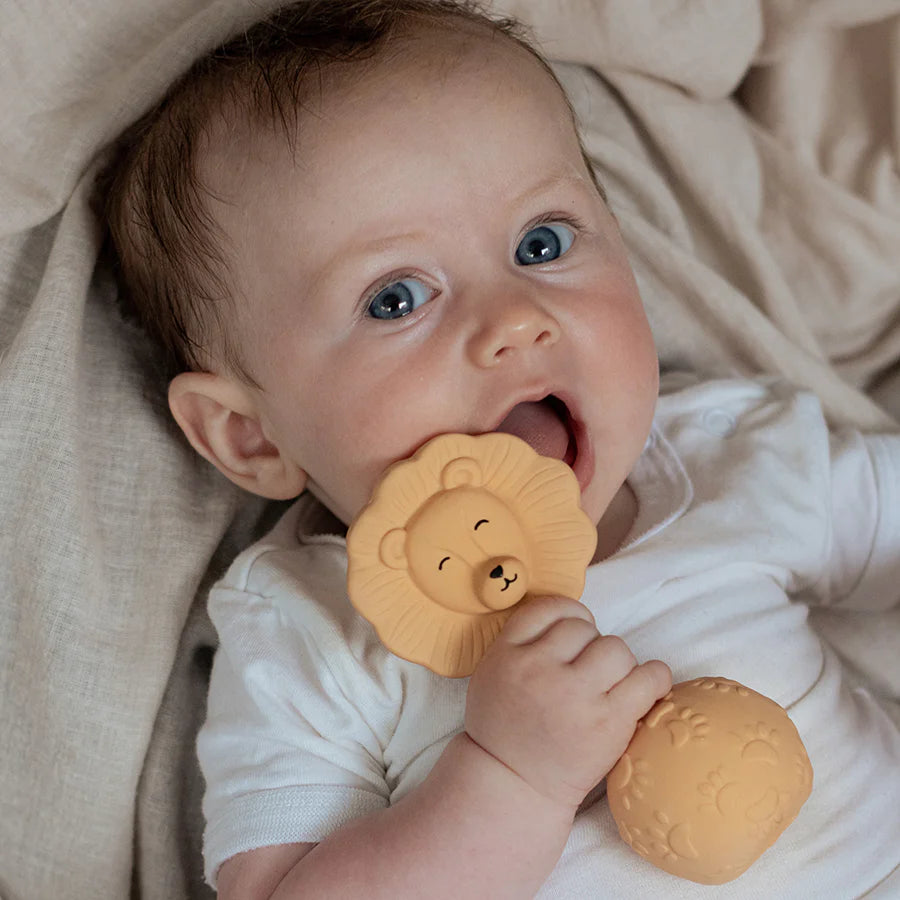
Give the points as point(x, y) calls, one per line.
point(172, 270)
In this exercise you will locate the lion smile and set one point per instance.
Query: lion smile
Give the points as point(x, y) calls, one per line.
point(497, 572)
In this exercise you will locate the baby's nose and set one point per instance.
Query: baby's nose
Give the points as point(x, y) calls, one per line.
point(509, 325)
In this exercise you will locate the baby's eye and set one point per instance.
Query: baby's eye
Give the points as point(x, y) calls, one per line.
point(399, 299)
point(544, 243)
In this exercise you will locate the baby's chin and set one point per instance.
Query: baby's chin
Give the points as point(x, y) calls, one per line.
point(597, 497)
point(614, 522)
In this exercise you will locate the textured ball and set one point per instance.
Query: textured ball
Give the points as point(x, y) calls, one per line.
point(713, 775)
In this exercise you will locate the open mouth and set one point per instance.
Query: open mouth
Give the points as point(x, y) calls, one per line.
point(547, 425)
point(565, 417)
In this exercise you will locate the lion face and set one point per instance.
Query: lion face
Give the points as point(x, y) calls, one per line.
point(466, 550)
point(454, 537)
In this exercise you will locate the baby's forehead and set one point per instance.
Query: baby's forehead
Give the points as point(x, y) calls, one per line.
point(443, 53)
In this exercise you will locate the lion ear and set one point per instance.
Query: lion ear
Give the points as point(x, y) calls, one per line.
point(392, 549)
point(461, 472)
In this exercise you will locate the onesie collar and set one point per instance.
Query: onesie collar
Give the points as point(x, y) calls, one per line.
point(662, 486)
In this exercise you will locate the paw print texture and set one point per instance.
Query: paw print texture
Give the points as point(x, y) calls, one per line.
point(721, 686)
point(756, 808)
point(683, 723)
point(713, 774)
point(759, 744)
point(661, 839)
point(632, 779)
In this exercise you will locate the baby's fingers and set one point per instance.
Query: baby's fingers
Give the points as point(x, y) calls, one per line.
point(605, 661)
point(532, 618)
point(633, 696)
point(566, 639)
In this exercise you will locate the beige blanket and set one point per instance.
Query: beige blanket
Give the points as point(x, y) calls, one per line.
point(751, 152)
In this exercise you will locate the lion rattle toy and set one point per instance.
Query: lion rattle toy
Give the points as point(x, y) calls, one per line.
point(454, 537)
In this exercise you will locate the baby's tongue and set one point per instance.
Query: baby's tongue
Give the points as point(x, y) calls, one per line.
point(540, 426)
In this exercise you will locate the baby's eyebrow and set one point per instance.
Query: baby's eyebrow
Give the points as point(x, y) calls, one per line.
point(566, 180)
point(387, 242)
point(353, 251)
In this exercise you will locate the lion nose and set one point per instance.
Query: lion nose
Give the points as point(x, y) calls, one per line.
point(501, 582)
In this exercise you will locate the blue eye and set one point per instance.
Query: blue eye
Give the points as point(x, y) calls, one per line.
point(399, 299)
point(544, 243)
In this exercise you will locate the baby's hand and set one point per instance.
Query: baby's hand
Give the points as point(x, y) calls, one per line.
point(556, 701)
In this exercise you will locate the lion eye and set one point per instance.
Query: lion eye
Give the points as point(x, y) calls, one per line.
point(441, 563)
point(480, 522)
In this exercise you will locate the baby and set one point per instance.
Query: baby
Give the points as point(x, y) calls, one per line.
point(363, 224)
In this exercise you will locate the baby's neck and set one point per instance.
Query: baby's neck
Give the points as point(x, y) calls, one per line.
point(613, 528)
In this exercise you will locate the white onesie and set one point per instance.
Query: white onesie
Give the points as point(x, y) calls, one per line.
point(748, 511)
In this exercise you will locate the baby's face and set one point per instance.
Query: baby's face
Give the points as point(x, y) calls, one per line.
point(435, 258)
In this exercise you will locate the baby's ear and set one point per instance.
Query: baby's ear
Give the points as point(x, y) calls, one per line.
point(220, 419)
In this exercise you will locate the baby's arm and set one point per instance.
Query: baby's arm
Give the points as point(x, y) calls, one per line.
point(549, 710)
